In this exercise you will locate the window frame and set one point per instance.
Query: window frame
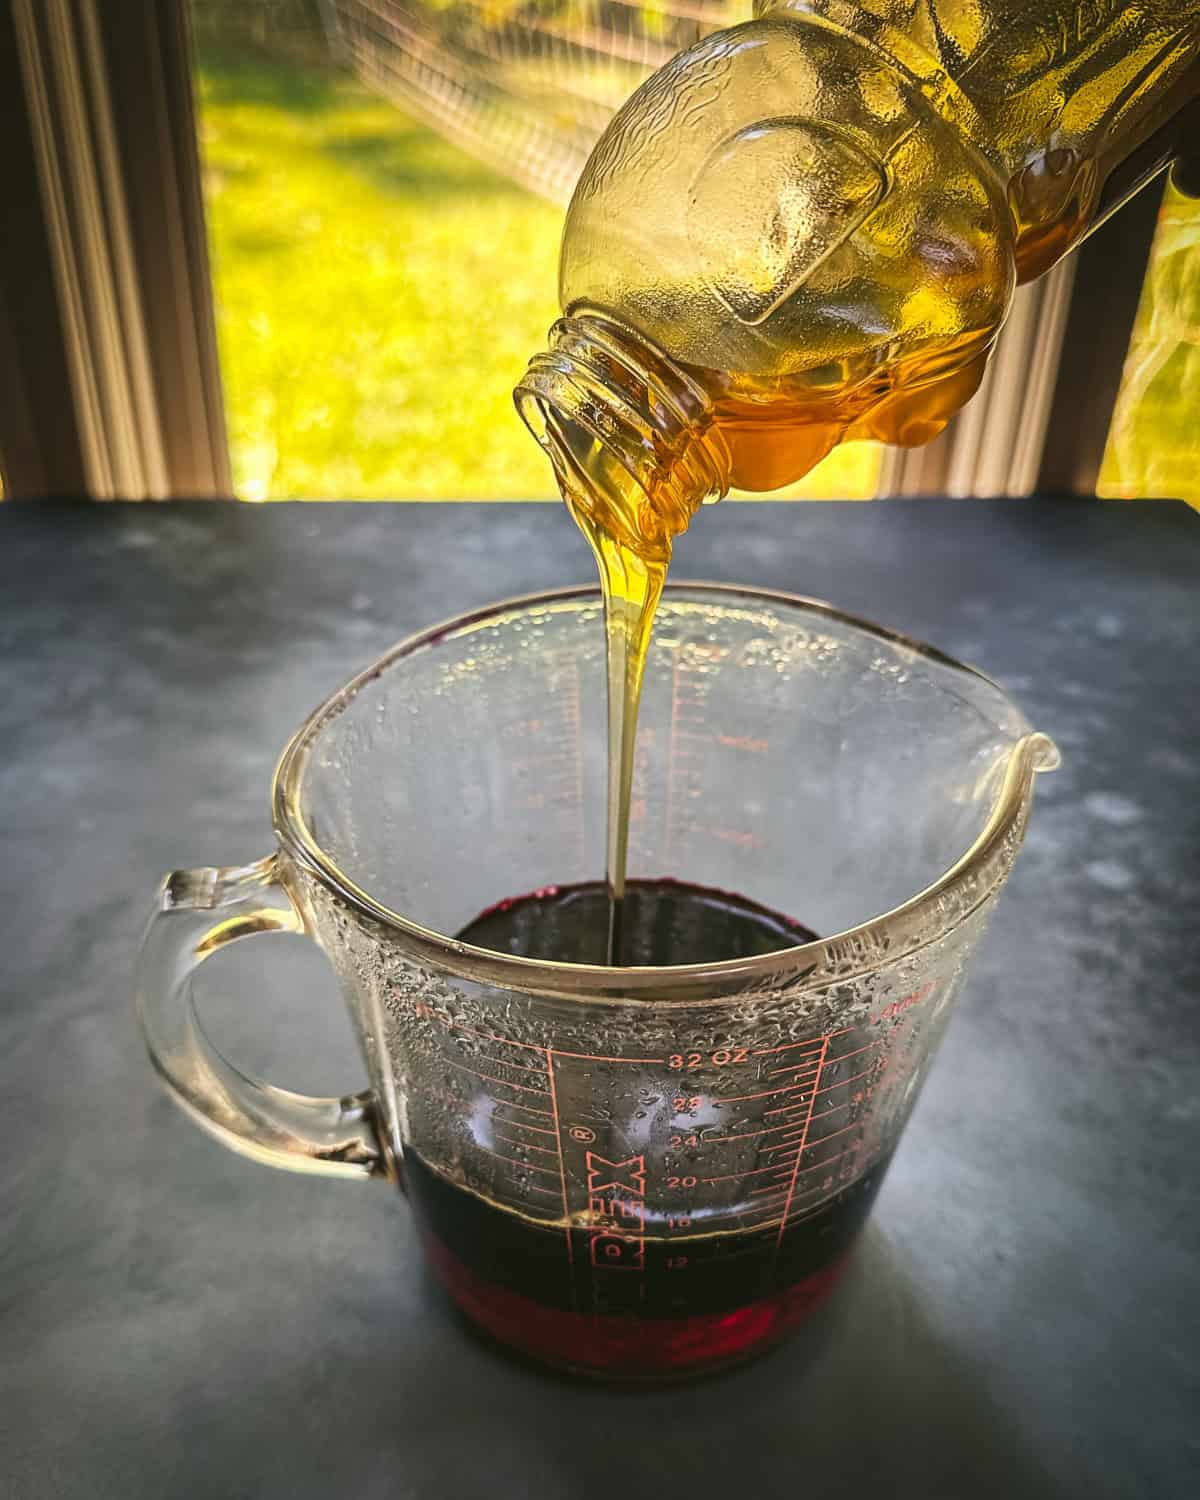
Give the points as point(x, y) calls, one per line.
point(110, 353)
point(107, 209)
point(1040, 422)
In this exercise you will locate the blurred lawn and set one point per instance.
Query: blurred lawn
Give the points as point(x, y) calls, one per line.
point(378, 294)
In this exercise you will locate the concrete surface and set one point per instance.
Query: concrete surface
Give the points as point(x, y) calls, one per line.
point(1023, 1315)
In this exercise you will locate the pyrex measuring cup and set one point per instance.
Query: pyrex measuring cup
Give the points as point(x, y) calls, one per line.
point(642, 1171)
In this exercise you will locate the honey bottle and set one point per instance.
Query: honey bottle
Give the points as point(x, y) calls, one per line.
point(807, 229)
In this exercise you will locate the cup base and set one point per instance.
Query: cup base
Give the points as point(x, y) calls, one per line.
point(630, 1350)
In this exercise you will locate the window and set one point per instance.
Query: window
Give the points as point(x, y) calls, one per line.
point(309, 256)
point(383, 187)
point(1154, 440)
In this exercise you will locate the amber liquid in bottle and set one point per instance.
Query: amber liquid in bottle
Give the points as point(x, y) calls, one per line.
point(767, 437)
point(806, 230)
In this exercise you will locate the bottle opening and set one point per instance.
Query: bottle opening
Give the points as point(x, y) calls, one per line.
point(631, 435)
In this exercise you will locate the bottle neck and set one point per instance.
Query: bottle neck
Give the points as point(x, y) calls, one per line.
point(1073, 106)
point(630, 433)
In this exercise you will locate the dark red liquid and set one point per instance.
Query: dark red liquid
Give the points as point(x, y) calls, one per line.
point(739, 1294)
point(663, 922)
point(694, 1301)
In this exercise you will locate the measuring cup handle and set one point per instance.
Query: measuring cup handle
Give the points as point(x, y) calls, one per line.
point(198, 913)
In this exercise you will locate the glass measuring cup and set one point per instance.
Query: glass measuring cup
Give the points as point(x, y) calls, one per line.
point(640, 1172)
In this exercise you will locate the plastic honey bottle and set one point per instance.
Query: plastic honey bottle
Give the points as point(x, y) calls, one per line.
point(807, 229)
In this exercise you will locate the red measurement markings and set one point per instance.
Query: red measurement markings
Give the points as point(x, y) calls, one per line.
point(528, 1109)
point(527, 1166)
point(783, 1109)
point(562, 1170)
point(616, 1213)
point(524, 1145)
point(834, 1108)
point(842, 1082)
point(683, 782)
point(753, 1172)
point(819, 1051)
point(854, 1051)
point(785, 1144)
point(501, 1062)
point(723, 1057)
point(519, 1124)
point(766, 1209)
point(571, 718)
point(598, 1057)
point(833, 1134)
point(427, 1012)
point(795, 1068)
point(748, 1135)
point(898, 1007)
point(816, 1043)
point(490, 1078)
point(579, 1056)
point(786, 1088)
point(742, 837)
point(795, 1209)
point(889, 1012)
point(809, 1210)
point(800, 1151)
point(744, 742)
point(816, 1166)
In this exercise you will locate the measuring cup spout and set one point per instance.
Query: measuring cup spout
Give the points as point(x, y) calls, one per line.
point(1043, 752)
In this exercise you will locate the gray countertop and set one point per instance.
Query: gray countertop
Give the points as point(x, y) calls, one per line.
point(1022, 1317)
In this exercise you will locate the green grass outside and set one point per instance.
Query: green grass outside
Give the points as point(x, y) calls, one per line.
point(1154, 439)
point(378, 294)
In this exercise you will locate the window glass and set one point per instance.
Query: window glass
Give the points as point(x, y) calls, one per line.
point(1154, 439)
point(383, 187)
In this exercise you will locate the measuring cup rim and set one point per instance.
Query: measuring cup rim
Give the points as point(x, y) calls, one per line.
point(841, 956)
